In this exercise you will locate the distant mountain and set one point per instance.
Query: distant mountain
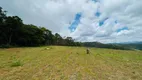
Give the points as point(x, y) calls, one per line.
point(135, 42)
point(109, 46)
point(134, 45)
point(121, 46)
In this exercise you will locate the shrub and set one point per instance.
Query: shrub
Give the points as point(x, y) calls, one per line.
point(5, 46)
point(16, 63)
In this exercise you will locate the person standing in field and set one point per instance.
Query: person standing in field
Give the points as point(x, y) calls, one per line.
point(87, 51)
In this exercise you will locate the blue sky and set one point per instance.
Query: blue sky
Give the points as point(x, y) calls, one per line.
point(102, 22)
point(75, 22)
point(97, 14)
point(95, 0)
point(121, 29)
point(85, 20)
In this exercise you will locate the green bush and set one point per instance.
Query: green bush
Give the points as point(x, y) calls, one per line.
point(5, 46)
point(16, 63)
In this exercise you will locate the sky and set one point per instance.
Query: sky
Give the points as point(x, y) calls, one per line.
point(106, 21)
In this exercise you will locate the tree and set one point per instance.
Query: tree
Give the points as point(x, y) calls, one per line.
point(2, 16)
point(49, 38)
point(14, 32)
point(2, 25)
point(12, 26)
point(58, 39)
point(69, 41)
point(31, 36)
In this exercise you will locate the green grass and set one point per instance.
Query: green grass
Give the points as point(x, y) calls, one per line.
point(16, 63)
point(69, 63)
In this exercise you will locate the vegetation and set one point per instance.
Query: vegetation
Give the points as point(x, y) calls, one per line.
point(109, 46)
point(120, 46)
point(70, 63)
point(13, 32)
point(135, 45)
point(16, 63)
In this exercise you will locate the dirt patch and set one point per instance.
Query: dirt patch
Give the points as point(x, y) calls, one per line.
point(17, 50)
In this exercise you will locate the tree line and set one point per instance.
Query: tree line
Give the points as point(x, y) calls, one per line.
point(13, 32)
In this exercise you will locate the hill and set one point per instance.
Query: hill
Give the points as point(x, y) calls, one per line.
point(135, 45)
point(121, 46)
point(109, 46)
point(69, 63)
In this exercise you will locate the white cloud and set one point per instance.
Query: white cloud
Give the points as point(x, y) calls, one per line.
point(57, 15)
point(126, 12)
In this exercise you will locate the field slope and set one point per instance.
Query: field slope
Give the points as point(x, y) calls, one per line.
point(69, 63)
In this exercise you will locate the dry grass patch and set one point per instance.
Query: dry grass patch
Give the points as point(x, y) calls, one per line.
point(69, 63)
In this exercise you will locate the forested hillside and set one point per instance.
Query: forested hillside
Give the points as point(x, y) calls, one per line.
point(135, 45)
point(109, 46)
point(122, 46)
point(13, 32)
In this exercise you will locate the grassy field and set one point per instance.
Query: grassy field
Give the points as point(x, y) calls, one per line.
point(69, 63)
